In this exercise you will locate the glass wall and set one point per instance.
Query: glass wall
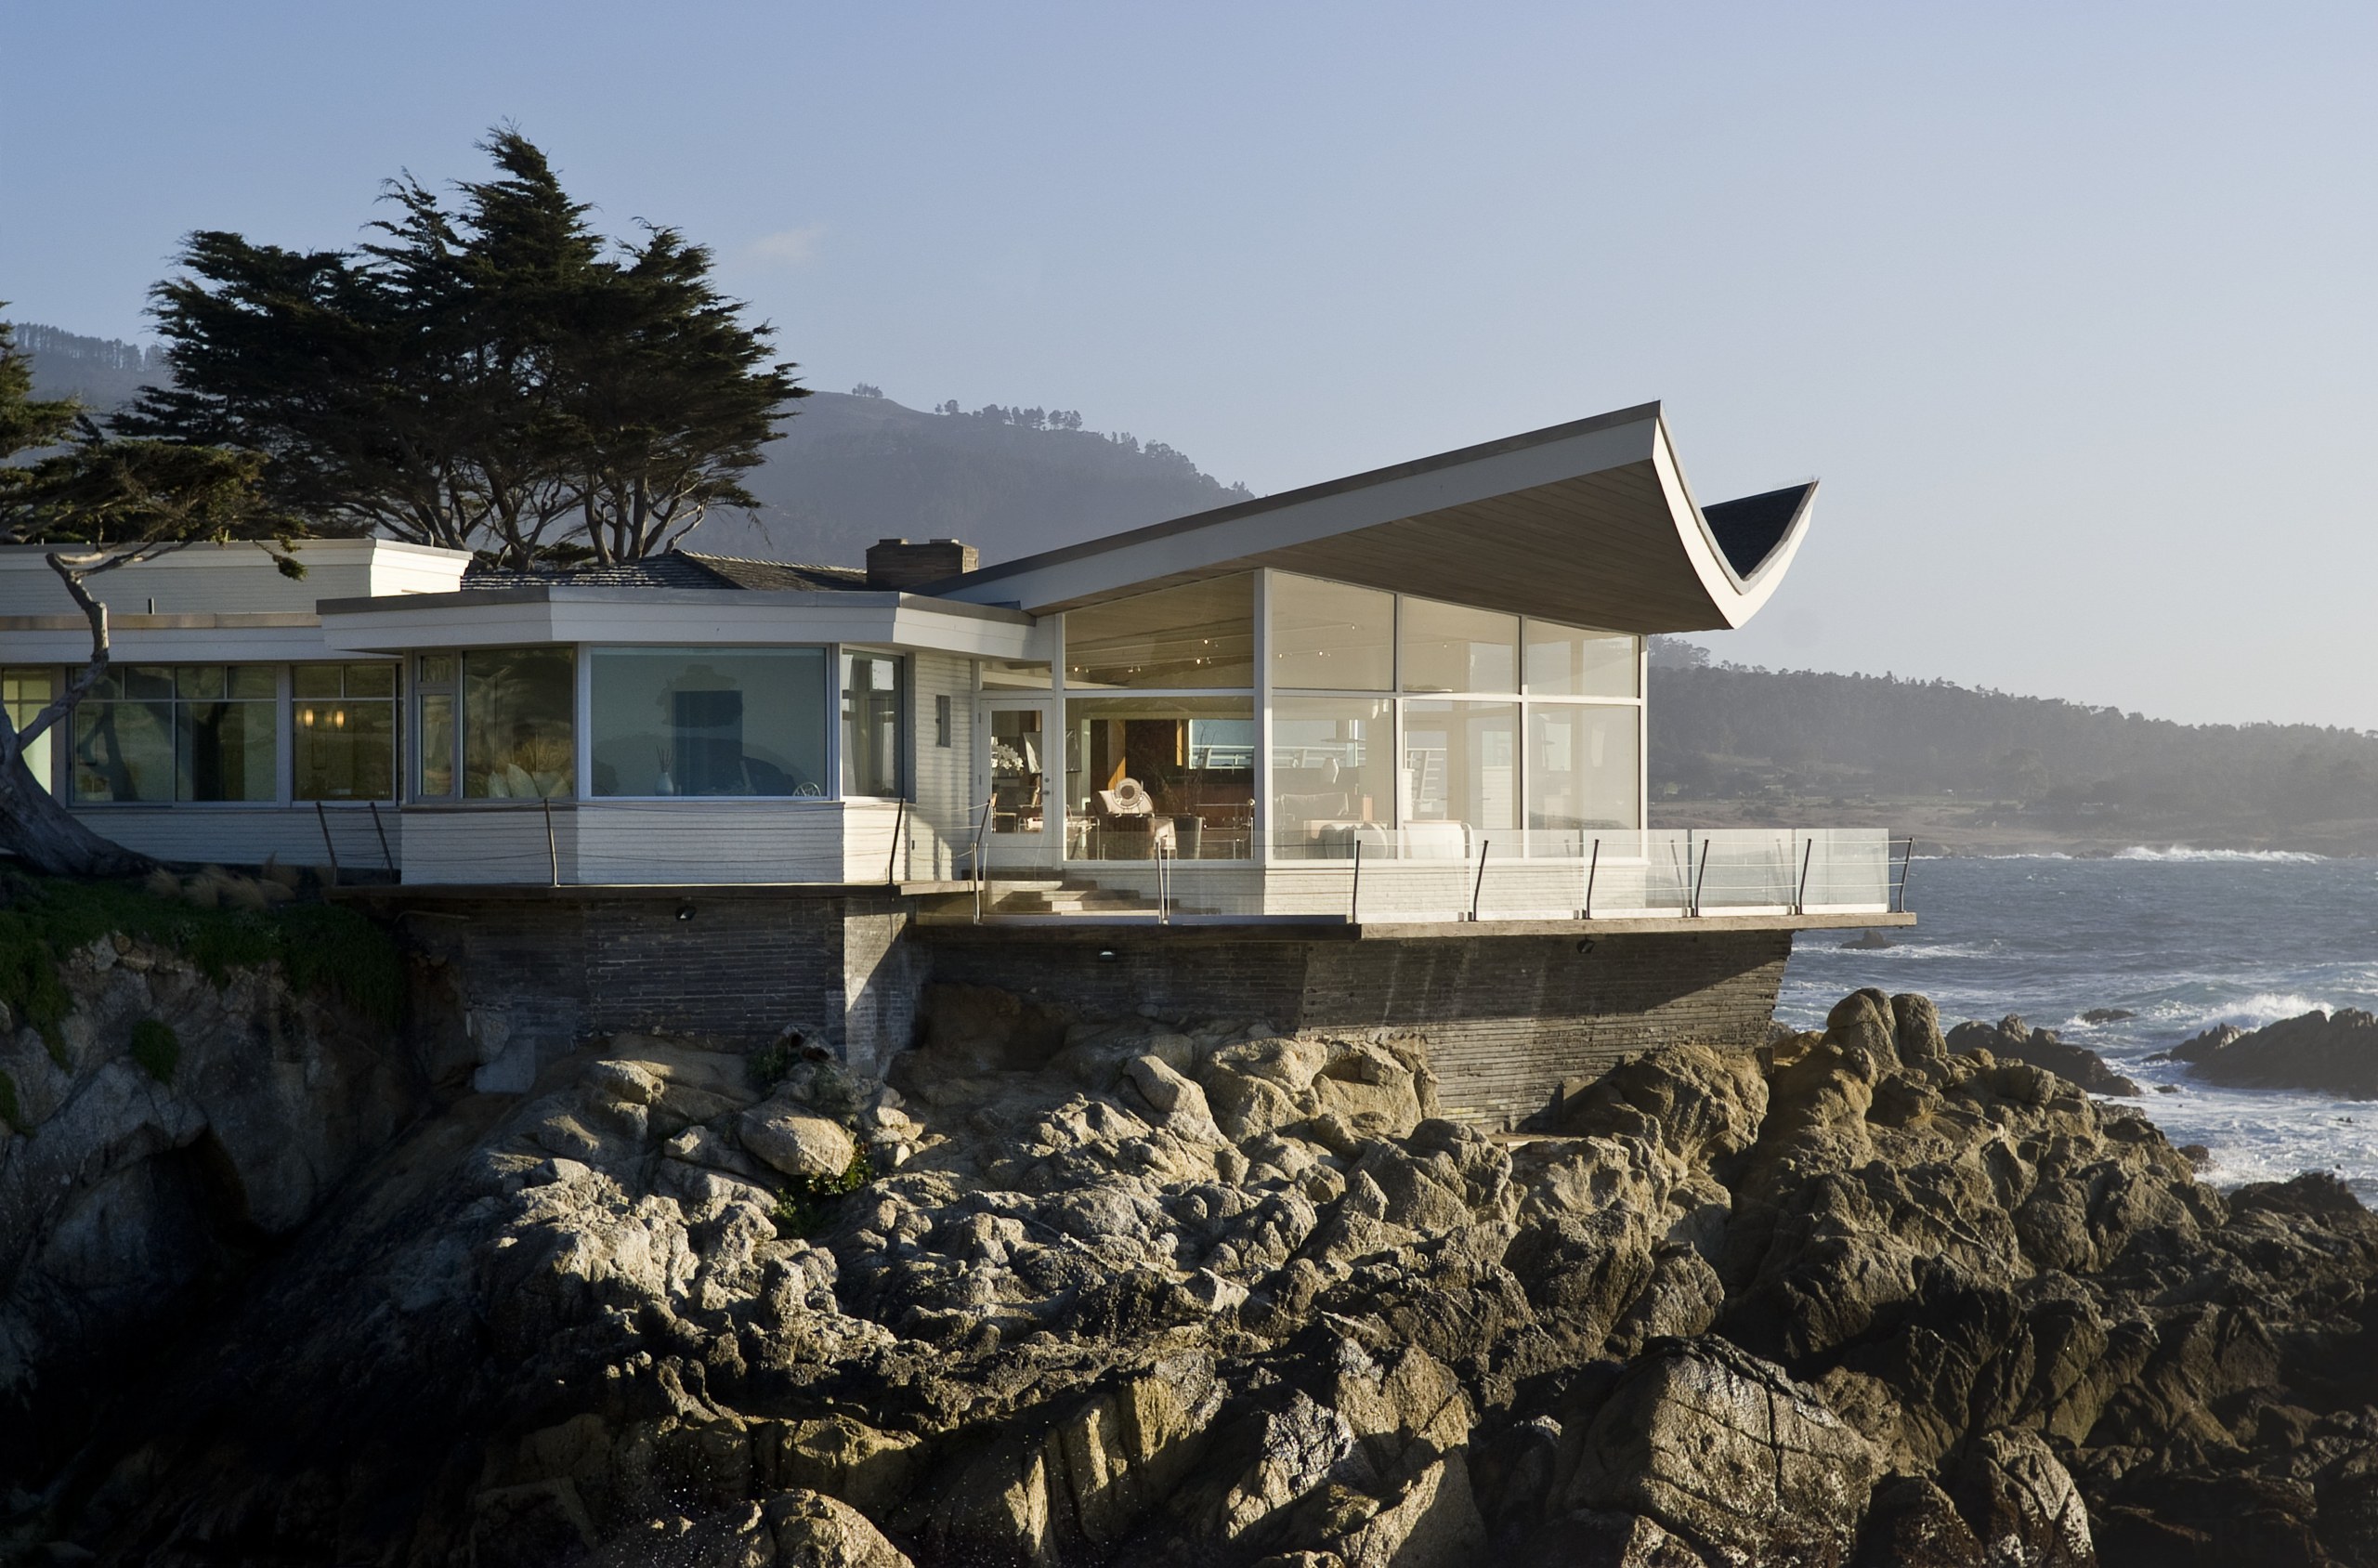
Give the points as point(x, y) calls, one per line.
point(1452, 648)
point(1331, 636)
point(872, 694)
point(1572, 662)
point(1144, 772)
point(1524, 734)
point(27, 692)
point(343, 732)
point(435, 678)
point(1200, 634)
point(1333, 773)
point(1016, 771)
point(721, 722)
point(519, 730)
point(1581, 766)
point(190, 732)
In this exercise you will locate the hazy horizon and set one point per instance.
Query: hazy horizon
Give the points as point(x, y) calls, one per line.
point(2068, 308)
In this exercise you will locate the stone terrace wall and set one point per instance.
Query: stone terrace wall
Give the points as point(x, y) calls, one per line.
point(1507, 1019)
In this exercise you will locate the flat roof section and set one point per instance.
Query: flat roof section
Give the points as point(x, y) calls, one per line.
point(1588, 522)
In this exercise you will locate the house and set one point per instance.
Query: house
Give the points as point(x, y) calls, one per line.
point(1405, 706)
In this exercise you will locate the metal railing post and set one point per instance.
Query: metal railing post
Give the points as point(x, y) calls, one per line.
point(1699, 877)
point(899, 821)
point(1905, 868)
point(553, 855)
point(1355, 900)
point(385, 853)
point(1800, 900)
point(323, 818)
point(1480, 886)
point(1592, 868)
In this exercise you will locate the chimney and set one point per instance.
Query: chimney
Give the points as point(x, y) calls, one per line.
point(895, 562)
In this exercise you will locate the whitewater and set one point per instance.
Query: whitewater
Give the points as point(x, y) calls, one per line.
point(2182, 938)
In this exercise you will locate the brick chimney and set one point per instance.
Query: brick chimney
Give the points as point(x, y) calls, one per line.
point(895, 562)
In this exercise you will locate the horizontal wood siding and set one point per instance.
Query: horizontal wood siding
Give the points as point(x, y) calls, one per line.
point(293, 836)
point(710, 842)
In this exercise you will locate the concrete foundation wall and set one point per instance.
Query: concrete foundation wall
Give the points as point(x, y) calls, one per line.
point(1506, 1018)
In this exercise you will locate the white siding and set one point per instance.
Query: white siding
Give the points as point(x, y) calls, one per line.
point(249, 835)
point(236, 579)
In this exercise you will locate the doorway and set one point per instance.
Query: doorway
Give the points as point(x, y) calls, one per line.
point(1012, 774)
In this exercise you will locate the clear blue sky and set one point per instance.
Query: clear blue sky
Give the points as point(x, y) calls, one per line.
point(2071, 306)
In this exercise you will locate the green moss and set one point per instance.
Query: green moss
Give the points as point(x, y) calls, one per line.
point(156, 1047)
point(10, 1112)
point(801, 1207)
point(322, 950)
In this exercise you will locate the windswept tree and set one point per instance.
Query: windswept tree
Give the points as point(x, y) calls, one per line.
point(488, 372)
point(99, 504)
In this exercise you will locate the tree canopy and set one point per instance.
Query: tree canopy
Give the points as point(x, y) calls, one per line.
point(486, 373)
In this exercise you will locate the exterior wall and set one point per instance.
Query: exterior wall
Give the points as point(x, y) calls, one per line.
point(251, 835)
point(944, 776)
point(537, 976)
point(233, 579)
point(1507, 1019)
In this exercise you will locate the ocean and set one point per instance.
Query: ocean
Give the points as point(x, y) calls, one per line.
point(2183, 938)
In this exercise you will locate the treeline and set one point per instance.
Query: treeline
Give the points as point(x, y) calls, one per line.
point(101, 373)
point(1730, 732)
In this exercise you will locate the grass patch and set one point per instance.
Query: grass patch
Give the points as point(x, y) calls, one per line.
point(156, 1047)
point(10, 1112)
point(800, 1210)
point(322, 950)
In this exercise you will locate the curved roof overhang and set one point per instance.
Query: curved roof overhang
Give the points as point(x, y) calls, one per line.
point(1589, 522)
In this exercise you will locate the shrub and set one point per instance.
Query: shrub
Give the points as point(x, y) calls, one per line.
point(801, 1207)
point(156, 1047)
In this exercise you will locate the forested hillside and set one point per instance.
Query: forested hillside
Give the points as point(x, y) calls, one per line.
point(1998, 763)
point(851, 467)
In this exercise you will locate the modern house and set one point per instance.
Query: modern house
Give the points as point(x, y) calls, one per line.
point(1406, 702)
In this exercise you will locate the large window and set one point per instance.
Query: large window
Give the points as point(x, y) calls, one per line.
point(27, 692)
point(1460, 765)
point(518, 729)
point(709, 721)
point(1331, 636)
point(1144, 773)
point(1198, 635)
point(1582, 770)
point(1333, 774)
point(189, 732)
point(871, 693)
point(343, 732)
point(1572, 662)
point(1452, 648)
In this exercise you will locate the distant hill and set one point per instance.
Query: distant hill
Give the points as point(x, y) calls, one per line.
point(1980, 769)
point(851, 469)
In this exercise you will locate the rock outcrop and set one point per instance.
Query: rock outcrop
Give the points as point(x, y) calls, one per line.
point(2329, 1054)
point(1186, 1292)
point(2011, 1039)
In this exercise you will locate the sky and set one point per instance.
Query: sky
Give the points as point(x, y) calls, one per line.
point(2070, 306)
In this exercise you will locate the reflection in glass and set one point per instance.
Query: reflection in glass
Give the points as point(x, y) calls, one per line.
point(27, 692)
point(196, 732)
point(436, 744)
point(1457, 766)
point(518, 735)
point(1331, 636)
point(1200, 634)
point(1333, 774)
point(343, 729)
point(871, 725)
point(1452, 648)
point(1150, 772)
point(709, 721)
point(1016, 675)
point(1572, 662)
point(1581, 766)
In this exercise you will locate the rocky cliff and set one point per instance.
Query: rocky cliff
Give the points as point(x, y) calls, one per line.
point(1185, 1292)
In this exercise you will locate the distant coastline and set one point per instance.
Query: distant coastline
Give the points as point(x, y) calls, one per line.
point(1945, 826)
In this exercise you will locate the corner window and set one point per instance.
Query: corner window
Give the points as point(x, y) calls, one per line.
point(188, 733)
point(1582, 767)
point(1572, 662)
point(718, 721)
point(1331, 636)
point(343, 732)
point(872, 696)
point(519, 734)
point(1454, 648)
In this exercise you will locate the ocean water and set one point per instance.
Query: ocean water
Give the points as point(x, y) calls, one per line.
point(2184, 938)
